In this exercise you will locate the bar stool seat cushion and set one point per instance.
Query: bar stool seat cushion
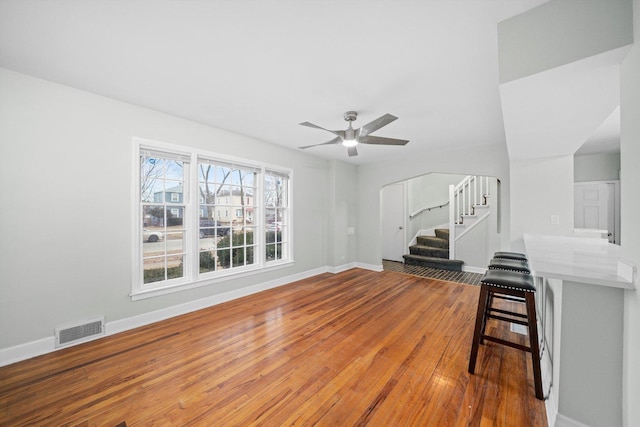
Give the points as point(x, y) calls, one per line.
point(510, 255)
point(509, 280)
point(509, 264)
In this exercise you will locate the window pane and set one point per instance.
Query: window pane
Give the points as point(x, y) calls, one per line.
point(206, 173)
point(224, 259)
point(175, 217)
point(276, 214)
point(173, 192)
point(163, 236)
point(207, 261)
point(175, 267)
point(175, 243)
point(154, 269)
point(223, 174)
point(207, 193)
point(174, 170)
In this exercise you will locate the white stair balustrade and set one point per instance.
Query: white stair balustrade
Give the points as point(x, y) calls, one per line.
point(467, 203)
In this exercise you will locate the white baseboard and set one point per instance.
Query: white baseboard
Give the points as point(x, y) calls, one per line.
point(371, 267)
point(46, 345)
point(27, 350)
point(122, 325)
point(340, 268)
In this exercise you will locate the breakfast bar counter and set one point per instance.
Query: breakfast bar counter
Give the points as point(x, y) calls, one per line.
point(582, 282)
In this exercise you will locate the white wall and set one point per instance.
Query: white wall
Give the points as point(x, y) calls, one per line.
point(427, 191)
point(630, 198)
point(476, 246)
point(343, 181)
point(66, 183)
point(596, 167)
point(540, 189)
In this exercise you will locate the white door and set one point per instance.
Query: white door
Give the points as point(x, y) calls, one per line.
point(594, 207)
point(392, 219)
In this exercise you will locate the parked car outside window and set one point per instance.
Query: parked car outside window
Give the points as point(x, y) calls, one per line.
point(151, 235)
point(212, 228)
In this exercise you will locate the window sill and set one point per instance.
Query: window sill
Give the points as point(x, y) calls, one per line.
point(150, 293)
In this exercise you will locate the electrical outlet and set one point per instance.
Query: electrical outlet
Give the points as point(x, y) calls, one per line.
point(555, 219)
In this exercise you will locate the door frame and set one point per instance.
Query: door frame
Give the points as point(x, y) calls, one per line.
point(402, 188)
point(616, 204)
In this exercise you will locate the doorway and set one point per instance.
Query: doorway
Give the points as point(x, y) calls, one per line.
point(597, 206)
point(393, 222)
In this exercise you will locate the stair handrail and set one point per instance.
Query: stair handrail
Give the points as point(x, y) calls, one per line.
point(472, 191)
point(419, 211)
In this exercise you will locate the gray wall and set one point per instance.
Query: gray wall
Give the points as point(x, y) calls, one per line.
point(66, 184)
point(541, 188)
point(630, 199)
point(426, 191)
point(596, 167)
point(343, 210)
point(549, 35)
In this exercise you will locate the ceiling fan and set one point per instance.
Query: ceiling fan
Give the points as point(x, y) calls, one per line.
point(351, 137)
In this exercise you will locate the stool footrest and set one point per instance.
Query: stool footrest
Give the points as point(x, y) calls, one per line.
point(507, 319)
point(508, 298)
point(507, 343)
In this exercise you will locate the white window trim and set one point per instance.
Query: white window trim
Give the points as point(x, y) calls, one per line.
point(193, 278)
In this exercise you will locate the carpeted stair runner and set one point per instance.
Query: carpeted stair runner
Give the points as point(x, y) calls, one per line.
point(433, 251)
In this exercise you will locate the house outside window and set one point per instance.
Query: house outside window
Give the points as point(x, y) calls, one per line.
point(185, 235)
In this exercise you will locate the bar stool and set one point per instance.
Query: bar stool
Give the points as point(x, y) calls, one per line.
point(509, 264)
point(518, 285)
point(510, 255)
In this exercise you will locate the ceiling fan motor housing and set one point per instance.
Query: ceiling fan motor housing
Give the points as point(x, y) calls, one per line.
point(350, 116)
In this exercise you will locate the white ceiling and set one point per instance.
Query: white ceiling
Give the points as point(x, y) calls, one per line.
point(259, 68)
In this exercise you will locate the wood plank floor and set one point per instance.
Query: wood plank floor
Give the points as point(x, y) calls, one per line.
point(355, 348)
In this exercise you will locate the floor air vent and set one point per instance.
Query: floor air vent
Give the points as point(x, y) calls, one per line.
point(74, 334)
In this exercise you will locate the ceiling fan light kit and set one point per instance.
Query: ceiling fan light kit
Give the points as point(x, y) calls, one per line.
point(351, 137)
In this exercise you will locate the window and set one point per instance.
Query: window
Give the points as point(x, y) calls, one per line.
point(162, 232)
point(185, 234)
point(231, 241)
point(276, 200)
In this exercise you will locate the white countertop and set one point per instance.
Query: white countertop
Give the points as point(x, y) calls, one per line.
point(579, 259)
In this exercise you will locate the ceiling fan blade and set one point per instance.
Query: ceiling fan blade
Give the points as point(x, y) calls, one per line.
point(311, 125)
point(381, 140)
point(377, 124)
point(352, 151)
point(336, 140)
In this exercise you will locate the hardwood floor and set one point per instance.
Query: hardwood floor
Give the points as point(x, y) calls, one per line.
point(355, 348)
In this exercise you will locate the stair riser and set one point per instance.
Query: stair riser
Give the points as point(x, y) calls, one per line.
point(433, 264)
point(429, 251)
point(442, 233)
point(435, 242)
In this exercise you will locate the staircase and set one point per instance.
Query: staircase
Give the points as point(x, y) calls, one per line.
point(433, 251)
point(468, 205)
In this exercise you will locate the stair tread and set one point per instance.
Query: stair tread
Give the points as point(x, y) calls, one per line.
point(433, 262)
point(433, 241)
point(434, 259)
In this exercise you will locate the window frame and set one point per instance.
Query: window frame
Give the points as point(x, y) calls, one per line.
point(192, 277)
